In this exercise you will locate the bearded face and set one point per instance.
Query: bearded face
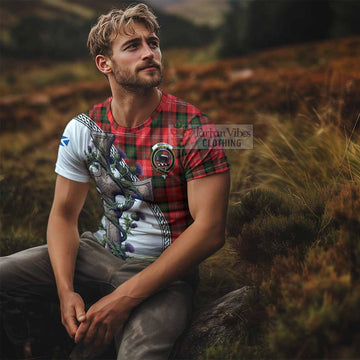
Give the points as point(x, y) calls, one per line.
point(136, 59)
point(144, 76)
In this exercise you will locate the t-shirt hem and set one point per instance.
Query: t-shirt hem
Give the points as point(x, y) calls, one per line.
point(72, 177)
point(202, 175)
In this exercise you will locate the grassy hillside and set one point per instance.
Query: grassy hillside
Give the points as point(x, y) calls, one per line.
point(209, 12)
point(294, 215)
point(58, 29)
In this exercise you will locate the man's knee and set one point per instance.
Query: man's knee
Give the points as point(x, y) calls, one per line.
point(7, 268)
point(27, 268)
point(157, 323)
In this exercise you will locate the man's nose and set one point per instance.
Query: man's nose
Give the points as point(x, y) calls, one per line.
point(147, 52)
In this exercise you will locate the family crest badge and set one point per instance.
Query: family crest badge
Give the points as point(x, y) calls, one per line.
point(162, 158)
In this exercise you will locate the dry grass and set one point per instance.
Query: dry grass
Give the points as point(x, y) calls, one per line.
point(303, 102)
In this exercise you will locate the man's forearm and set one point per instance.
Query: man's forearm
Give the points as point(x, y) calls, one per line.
point(62, 231)
point(63, 244)
point(195, 244)
point(208, 199)
point(188, 250)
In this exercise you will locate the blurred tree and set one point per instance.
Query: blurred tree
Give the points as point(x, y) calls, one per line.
point(233, 31)
point(346, 17)
point(60, 39)
point(256, 24)
point(179, 32)
point(277, 22)
point(63, 39)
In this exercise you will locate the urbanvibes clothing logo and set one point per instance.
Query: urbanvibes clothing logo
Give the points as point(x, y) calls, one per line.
point(162, 158)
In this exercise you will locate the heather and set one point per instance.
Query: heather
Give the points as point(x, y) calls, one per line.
point(294, 215)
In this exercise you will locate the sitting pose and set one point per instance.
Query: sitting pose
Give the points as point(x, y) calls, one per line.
point(164, 191)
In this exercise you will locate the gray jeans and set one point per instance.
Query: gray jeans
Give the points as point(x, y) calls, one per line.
point(153, 327)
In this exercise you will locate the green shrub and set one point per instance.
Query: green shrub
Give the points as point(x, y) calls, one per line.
point(346, 210)
point(256, 203)
point(267, 224)
point(234, 351)
point(314, 311)
point(12, 241)
point(264, 238)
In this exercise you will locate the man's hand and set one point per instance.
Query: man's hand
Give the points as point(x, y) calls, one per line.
point(72, 312)
point(104, 319)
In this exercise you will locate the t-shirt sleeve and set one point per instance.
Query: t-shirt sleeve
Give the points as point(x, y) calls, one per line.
point(203, 153)
point(72, 153)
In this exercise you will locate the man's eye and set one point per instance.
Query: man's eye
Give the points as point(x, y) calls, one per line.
point(131, 47)
point(153, 44)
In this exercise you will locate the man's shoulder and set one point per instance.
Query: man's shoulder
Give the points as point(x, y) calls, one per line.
point(177, 105)
point(184, 114)
point(99, 112)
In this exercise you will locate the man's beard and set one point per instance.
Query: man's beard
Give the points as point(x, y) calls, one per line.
point(132, 81)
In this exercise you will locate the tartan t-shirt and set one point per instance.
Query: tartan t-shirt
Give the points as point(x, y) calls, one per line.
point(141, 172)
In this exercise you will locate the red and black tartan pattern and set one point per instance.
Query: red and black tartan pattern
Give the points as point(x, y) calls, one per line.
point(181, 125)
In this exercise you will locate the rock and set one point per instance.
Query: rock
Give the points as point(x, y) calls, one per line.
point(227, 319)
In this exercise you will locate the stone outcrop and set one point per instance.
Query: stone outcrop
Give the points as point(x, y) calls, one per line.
point(228, 319)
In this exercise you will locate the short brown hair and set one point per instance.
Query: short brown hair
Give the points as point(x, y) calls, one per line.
point(108, 26)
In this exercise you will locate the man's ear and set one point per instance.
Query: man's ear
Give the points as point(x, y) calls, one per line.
point(103, 63)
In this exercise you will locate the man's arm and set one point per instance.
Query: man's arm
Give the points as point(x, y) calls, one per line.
point(63, 243)
point(208, 200)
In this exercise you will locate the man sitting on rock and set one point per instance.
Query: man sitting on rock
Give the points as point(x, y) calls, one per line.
point(164, 189)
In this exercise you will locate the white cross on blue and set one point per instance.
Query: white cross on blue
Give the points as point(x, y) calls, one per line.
point(64, 141)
